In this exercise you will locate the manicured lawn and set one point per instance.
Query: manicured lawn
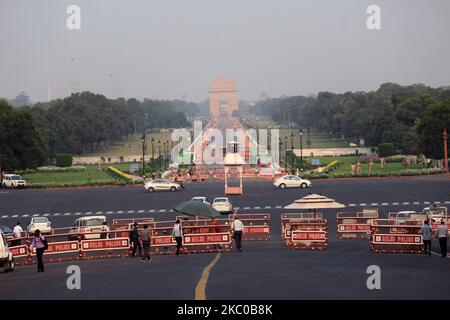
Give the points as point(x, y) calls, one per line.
point(90, 175)
point(318, 140)
point(346, 162)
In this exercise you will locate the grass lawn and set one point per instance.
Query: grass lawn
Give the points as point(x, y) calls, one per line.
point(346, 162)
point(318, 140)
point(133, 146)
point(89, 176)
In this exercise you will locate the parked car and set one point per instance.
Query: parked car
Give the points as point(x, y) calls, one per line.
point(436, 213)
point(292, 181)
point(13, 181)
point(89, 227)
point(161, 185)
point(222, 205)
point(6, 257)
point(40, 223)
point(7, 232)
point(404, 215)
point(201, 199)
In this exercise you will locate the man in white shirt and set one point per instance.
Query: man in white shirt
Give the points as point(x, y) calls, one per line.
point(177, 234)
point(17, 233)
point(442, 236)
point(238, 229)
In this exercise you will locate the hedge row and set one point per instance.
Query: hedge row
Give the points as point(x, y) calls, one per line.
point(414, 172)
point(119, 174)
point(61, 169)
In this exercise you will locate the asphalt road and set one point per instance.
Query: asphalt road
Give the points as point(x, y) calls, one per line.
point(265, 270)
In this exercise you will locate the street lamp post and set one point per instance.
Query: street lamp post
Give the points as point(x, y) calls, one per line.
point(445, 152)
point(143, 155)
point(301, 150)
point(159, 155)
point(285, 151)
point(292, 154)
point(153, 157)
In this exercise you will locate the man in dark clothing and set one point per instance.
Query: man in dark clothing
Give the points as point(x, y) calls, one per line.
point(134, 240)
point(145, 237)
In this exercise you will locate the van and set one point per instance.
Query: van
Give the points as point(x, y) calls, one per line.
point(6, 257)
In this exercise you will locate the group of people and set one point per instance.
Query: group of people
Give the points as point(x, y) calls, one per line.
point(141, 239)
point(441, 236)
point(357, 168)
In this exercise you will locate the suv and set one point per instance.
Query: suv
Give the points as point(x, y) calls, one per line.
point(89, 228)
point(222, 205)
point(40, 223)
point(13, 181)
point(6, 257)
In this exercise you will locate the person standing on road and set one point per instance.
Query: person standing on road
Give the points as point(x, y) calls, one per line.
point(134, 239)
point(238, 229)
point(426, 234)
point(17, 234)
point(105, 230)
point(145, 238)
point(40, 244)
point(177, 234)
point(442, 236)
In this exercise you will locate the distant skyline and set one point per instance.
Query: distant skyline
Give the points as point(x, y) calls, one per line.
point(173, 49)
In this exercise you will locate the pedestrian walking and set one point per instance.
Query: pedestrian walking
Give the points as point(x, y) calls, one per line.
point(17, 231)
point(238, 229)
point(442, 236)
point(145, 238)
point(40, 244)
point(177, 234)
point(134, 240)
point(426, 235)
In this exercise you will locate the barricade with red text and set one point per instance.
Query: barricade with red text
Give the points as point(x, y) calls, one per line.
point(355, 225)
point(305, 231)
point(396, 236)
point(256, 226)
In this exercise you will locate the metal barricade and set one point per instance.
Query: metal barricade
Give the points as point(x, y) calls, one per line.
point(396, 236)
point(355, 225)
point(305, 231)
point(256, 226)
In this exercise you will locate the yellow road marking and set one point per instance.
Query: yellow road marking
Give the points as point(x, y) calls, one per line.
point(200, 289)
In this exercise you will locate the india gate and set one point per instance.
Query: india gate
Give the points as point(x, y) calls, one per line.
point(223, 97)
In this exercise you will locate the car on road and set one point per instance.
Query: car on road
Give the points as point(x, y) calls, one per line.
point(222, 205)
point(9, 234)
point(13, 181)
point(201, 199)
point(89, 227)
point(162, 185)
point(39, 223)
point(436, 213)
point(6, 256)
point(404, 215)
point(292, 181)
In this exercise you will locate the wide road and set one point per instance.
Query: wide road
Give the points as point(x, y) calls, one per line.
point(265, 270)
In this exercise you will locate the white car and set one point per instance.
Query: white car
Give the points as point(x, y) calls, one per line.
point(222, 205)
point(39, 223)
point(292, 182)
point(13, 181)
point(201, 199)
point(436, 213)
point(90, 227)
point(404, 215)
point(6, 257)
point(161, 185)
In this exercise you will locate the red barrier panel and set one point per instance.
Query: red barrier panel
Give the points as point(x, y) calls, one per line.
point(305, 231)
point(352, 225)
point(396, 236)
point(256, 226)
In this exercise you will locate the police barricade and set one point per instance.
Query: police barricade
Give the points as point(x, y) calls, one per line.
point(305, 231)
point(83, 246)
point(256, 226)
point(396, 236)
point(199, 236)
point(351, 225)
point(122, 227)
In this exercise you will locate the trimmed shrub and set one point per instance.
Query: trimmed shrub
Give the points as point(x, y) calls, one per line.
point(64, 160)
point(119, 174)
point(60, 169)
point(386, 149)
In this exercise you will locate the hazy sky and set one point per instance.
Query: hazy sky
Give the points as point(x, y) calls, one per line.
point(169, 48)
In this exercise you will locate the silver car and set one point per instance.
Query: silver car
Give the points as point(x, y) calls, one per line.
point(161, 185)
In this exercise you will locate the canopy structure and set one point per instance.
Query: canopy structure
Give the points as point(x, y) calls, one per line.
point(315, 201)
point(194, 209)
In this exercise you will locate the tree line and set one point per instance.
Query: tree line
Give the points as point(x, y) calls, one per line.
point(79, 124)
point(412, 117)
